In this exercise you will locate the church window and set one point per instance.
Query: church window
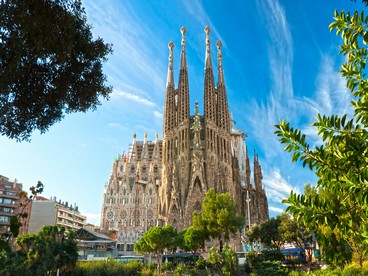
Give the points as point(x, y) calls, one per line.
point(131, 181)
point(132, 169)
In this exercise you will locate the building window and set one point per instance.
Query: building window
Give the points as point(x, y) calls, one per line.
point(131, 181)
point(4, 219)
point(6, 210)
point(5, 200)
point(130, 247)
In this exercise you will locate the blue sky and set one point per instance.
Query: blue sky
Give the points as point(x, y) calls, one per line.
point(280, 61)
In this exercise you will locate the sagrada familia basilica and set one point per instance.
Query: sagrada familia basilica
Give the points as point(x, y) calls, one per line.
point(162, 181)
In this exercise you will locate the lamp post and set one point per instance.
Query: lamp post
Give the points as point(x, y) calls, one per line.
point(146, 216)
point(248, 207)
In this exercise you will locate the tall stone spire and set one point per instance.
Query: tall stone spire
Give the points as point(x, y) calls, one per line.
point(170, 71)
point(257, 173)
point(170, 102)
point(220, 80)
point(183, 86)
point(210, 100)
point(223, 116)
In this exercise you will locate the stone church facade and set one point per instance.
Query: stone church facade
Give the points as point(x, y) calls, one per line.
point(163, 181)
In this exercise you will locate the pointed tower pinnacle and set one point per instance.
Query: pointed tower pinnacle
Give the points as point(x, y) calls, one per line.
point(208, 61)
point(183, 61)
point(170, 71)
point(221, 80)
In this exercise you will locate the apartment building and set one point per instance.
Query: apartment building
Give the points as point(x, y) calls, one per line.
point(50, 212)
point(10, 203)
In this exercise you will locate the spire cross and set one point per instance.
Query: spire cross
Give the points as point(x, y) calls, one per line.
point(183, 31)
point(208, 63)
point(170, 73)
point(219, 54)
point(207, 31)
point(183, 62)
point(171, 46)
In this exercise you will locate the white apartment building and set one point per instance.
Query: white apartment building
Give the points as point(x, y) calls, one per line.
point(50, 212)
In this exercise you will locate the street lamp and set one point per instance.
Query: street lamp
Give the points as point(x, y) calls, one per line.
point(248, 207)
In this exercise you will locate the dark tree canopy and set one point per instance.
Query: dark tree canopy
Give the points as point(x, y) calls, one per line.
point(49, 65)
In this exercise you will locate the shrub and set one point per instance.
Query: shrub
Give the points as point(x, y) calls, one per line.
point(167, 266)
point(352, 270)
point(103, 268)
point(179, 270)
point(201, 263)
point(270, 268)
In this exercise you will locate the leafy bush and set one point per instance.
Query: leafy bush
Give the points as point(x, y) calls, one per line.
point(254, 257)
point(352, 270)
point(102, 268)
point(179, 270)
point(167, 266)
point(270, 268)
point(201, 263)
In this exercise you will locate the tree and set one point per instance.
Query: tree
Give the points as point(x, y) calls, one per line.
point(292, 231)
point(254, 234)
point(224, 262)
point(44, 252)
point(156, 240)
point(49, 65)
point(218, 218)
point(191, 239)
point(341, 162)
point(270, 234)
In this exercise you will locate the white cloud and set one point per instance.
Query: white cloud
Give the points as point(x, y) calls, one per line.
point(196, 9)
point(275, 209)
point(277, 187)
point(157, 114)
point(118, 126)
point(132, 97)
point(332, 96)
point(129, 36)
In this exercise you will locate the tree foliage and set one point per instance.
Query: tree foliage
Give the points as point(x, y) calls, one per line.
point(294, 232)
point(224, 262)
point(218, 218)
point(191, 239)
point(156, 240)
point(49, 65)
point(44, 252)
point(341, 162)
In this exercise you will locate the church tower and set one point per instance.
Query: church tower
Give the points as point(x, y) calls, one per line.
point(162, 182)
point(196, 149)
